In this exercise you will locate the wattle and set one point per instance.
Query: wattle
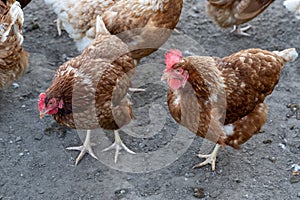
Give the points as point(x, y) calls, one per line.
point(174, 84)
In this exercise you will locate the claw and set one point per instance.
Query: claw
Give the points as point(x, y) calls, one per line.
point(241, 30)
point(118, 145)
point(85, 148)
point(210, 158)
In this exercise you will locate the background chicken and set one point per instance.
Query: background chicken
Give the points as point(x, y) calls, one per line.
point(293, 6)
point(143, 25)
point(13, 58)
point(228, 13)
point(90, 90)
point(207, 92)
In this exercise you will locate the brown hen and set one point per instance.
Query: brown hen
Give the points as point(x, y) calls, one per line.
point(222, 99)
point(90, 90)
point(228, 13)
point(13, 58)
point(143, 25)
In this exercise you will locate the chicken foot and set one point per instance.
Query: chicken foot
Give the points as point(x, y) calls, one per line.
point(210, 158)
point(237, 29)
point(85, 148)
point(118, 145)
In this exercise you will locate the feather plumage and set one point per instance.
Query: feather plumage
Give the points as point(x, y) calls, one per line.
point(13, 58)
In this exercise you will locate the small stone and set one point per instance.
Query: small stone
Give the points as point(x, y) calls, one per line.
point(298, 195)
point(289, 114)
point(199, 193)
point(267, 141)
point(294, 107)
point(272, 159)
point(18, 139)
point(295, 179)
point(38, 136)
point(23, 106)
point(41, 191)
point(21, 154)
point(15, 85)
point(120, 192)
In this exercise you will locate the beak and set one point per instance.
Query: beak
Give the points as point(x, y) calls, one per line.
point(42, 113)
point(165, 76)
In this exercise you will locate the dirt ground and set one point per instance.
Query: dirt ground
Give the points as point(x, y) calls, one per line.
point(34, 163)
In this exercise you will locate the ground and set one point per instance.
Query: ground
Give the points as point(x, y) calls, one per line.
point(34, 163)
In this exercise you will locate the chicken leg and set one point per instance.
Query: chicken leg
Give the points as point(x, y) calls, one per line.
point(118, 145)
point(210, 158)
point(237, 29)
point(85, 148)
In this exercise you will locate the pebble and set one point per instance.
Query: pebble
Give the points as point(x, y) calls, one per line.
point(23, 106)
point(272, 159)
point(18, 139)
point(41, 192)
point(38, 136)
point(21, 154)
point(120, 192)
point(15, 85)
point(295, 179)
point(199, 193)
point(298, 195)
point(267, 141)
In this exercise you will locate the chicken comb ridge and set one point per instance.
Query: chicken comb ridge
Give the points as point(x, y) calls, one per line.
point(173, 57)
point(41, 101)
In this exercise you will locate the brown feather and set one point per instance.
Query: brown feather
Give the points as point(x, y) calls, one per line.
point(93, 86)
point(225, 91)
point(227, 13)
point(142, 27)
point(14, 60)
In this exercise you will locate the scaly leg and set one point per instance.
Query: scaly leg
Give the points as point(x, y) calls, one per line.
point(210, 158)
point(237, 29)
point(85, 148)
point(118, 145)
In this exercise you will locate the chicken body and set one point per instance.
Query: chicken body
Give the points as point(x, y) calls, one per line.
point(143, 25)
point(222, 99)
point(228, 13)
point(90, 90)
point(14, 59)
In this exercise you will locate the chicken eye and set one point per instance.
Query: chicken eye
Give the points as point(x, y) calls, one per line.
point(178, 71)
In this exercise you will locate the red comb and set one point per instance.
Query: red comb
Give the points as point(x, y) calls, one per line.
point(41, 101)
point(172, 58)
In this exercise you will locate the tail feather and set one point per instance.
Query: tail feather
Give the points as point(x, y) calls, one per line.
point(17, 19)
point(288, 54)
